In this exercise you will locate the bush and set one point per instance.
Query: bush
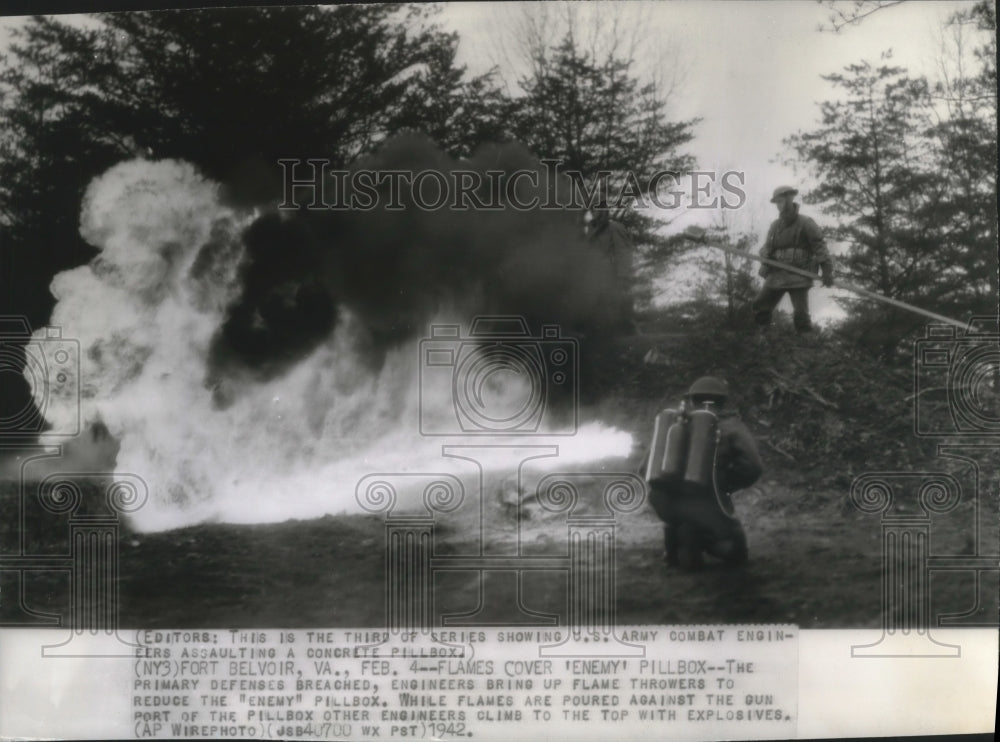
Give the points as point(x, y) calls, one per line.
point(814, 403)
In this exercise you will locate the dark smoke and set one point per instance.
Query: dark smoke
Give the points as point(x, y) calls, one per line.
point(398, 269)
point(285, 308)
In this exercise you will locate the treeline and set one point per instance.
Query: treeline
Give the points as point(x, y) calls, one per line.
point(234, 90)
point(908, 167)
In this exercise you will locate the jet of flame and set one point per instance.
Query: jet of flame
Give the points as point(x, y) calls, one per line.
point(230, 448)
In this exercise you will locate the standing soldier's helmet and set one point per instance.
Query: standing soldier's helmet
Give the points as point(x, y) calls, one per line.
point(781, 192)
point(709, 389)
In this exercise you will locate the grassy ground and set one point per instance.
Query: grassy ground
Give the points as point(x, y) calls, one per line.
point(822, 417)
point(815, 562)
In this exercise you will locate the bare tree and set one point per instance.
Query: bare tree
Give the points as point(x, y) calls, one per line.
point(527, 32)
point(843, 14)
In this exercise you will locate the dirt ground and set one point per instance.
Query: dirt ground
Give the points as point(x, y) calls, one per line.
point(816, 561)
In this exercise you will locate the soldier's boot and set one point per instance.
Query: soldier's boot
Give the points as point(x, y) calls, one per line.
point(802, 322)
point(689, 547)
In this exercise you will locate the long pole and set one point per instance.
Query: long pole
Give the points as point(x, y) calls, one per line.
point(698, 235)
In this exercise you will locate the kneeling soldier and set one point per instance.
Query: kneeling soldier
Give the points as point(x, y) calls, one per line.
point(699, 455)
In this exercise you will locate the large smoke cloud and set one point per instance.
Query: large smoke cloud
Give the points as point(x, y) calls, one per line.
point(256, 367)
point(395, 269)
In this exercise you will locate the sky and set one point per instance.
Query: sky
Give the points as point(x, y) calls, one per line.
point(751, 71)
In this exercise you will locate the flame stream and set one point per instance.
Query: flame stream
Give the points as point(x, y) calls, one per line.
point(144, 314)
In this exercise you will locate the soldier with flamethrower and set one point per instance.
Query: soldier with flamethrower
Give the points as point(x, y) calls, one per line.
point(700, 454)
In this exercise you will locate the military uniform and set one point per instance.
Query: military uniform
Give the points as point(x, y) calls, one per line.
point(798, 241)
point(700, 518)
point(697, 521)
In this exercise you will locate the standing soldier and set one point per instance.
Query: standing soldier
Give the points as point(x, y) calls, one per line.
point(613, 241)
point(796, 240)
point(699, 456)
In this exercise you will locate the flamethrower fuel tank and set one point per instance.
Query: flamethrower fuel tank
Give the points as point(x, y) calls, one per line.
point(668, 450)
point(702, 443)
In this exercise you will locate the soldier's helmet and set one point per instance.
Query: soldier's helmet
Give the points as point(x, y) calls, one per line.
point(709, 389)
point(782, 191)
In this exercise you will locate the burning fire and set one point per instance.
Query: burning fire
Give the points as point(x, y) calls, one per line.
point(235, 448)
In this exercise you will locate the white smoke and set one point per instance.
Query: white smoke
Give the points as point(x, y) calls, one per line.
point(145, 311)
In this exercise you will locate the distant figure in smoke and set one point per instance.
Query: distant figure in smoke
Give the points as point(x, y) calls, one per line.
point(699, 455)
point(798, 241)
point(613, 241)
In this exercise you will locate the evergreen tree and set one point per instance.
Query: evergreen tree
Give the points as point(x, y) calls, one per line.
point(230, 90)
point(874, 163)
point(594, 116)
point(966, 133)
